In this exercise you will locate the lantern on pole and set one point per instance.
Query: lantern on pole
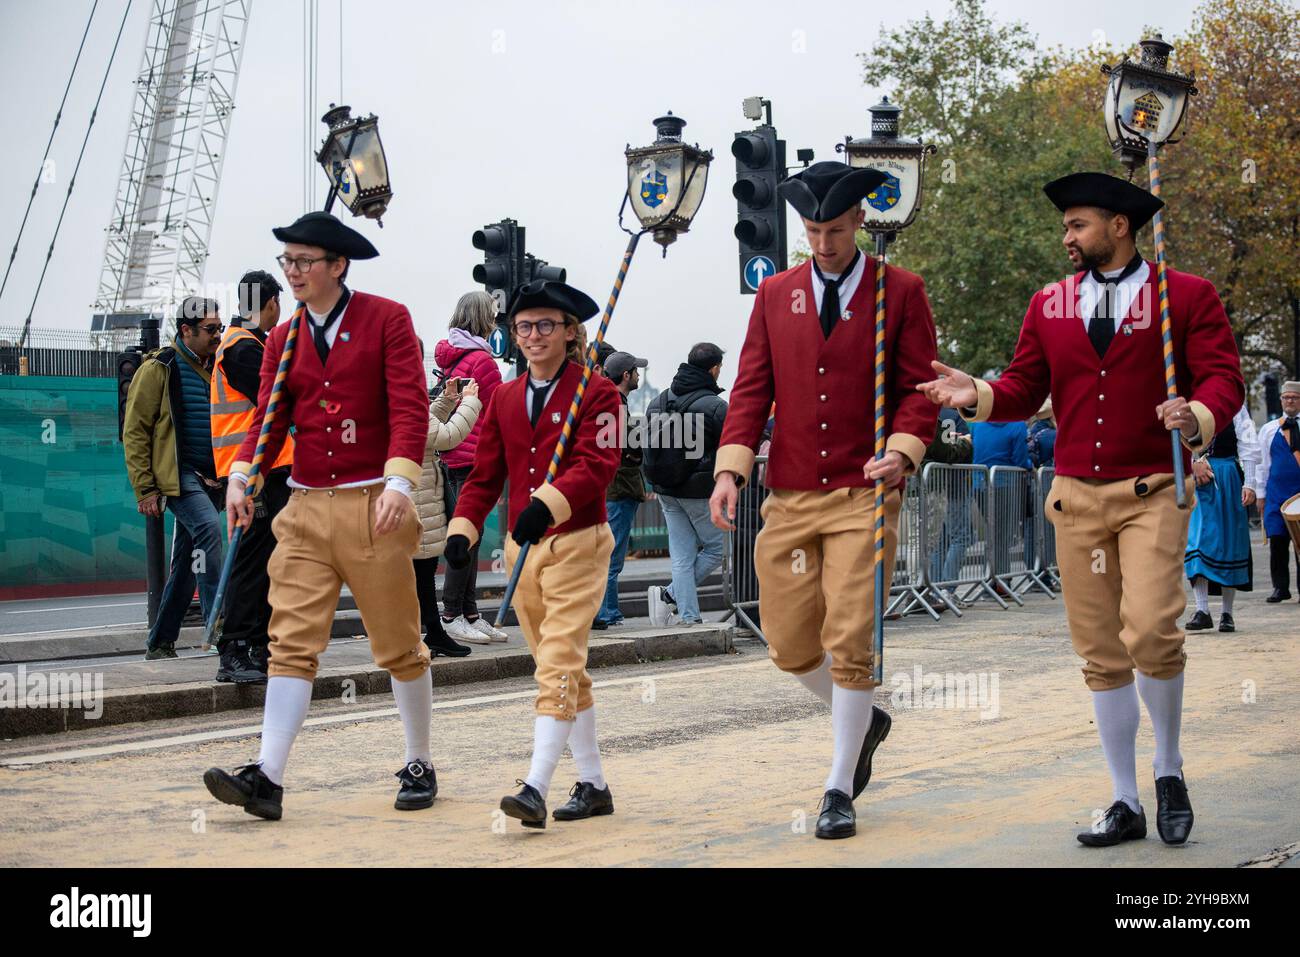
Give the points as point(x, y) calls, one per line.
point(891, 206)
point(665, 187)
point(1146, 108)
point(353, 159)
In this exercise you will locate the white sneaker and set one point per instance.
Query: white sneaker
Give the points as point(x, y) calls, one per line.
point(462, 630)
point(483, 625)
point(660, 609)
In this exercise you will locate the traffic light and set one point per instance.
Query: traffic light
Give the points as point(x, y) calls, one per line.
point(535, 268)
point(760, 167)
point(503, 259)
point(127, 364)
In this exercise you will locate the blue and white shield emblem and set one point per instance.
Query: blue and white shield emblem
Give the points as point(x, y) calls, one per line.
point(885, 196)
point(654, 188)
point(343, 176)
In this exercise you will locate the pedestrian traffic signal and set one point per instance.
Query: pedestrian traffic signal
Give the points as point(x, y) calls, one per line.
point(127, 364)
point(760, 227)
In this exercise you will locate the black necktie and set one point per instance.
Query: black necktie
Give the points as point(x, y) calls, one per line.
point(537, 395)
point(830, 310)
point(1101, 329)
point(319, 330)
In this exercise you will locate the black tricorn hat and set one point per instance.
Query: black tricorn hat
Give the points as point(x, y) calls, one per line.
point(1107, 192)
point(549, 294)
point(829, 189)
point(327, 232)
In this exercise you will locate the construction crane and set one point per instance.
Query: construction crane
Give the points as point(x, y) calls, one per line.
point(156, 245)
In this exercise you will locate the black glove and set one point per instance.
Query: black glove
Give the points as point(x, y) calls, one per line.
point(532, 523)
point(456, 551)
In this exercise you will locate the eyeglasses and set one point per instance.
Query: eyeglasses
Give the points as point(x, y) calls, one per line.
point(544, 327)
point(213, 330)
point(302, 263)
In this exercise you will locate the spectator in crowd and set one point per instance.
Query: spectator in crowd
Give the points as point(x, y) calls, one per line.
point(1217, 558)
point(1042, 436)
point(682, 478)
point(1279, 479)
point(236, 378)
point(1004, 443)
point(952, 445)
point(626, 493)
point(167, 440)
point(452, 416)
point(603, 351)
point(465, 353)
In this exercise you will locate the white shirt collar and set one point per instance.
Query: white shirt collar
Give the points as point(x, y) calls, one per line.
point(848, 285)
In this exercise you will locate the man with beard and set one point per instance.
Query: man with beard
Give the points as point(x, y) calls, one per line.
point(1094, 342)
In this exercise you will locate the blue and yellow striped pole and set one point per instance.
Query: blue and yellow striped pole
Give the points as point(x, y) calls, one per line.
point(254, 472)
point(1166, 324)
point(572, 417)
point(878, 616)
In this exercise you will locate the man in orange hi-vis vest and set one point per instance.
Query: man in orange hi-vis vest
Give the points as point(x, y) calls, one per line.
point(235, 379)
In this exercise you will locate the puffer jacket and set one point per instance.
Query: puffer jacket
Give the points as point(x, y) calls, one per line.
point(152, 427)
point(476, 364)
point(447, 429)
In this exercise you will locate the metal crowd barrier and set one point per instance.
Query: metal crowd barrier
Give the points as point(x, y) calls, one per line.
point(966, 533)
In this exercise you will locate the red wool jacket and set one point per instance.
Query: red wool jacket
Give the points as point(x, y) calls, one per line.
point(825, 387)
point(510, 448)
point(364, 414)
point(1105, 408)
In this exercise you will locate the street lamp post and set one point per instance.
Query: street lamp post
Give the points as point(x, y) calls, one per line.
point(890, 207)
point(665, 187)
point(1146, 106)
point(353, 159)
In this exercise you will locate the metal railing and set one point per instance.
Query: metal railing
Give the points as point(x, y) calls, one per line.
point(62, 352)
point(966, 533)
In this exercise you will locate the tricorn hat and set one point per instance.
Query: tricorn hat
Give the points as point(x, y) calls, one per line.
point(550, 294)
point(1106, 191)
point(829, 189)
point(327, 232)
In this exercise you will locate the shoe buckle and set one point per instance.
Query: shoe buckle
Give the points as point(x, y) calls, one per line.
point(415, 769)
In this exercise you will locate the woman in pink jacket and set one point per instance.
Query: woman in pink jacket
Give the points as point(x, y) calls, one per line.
point(465, 354)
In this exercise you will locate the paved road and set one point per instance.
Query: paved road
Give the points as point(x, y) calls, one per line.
point(711, 762)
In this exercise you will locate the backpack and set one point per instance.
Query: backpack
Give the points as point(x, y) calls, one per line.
point(664, 460)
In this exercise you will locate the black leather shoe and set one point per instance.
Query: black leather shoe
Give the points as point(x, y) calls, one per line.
point(248, 788)
point(879, 730)
point(585, 801)
point(1226, 623)
point(444, 644)
point(1199, 622)
point(837, 818)
point(599, 624)
point(1118, 824)
point(527, 806)
point(1173, 810)
point(237, 667)
point(419, 786)
point(1279, 594)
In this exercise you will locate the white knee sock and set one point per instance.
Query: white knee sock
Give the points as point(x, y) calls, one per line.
point(818, 681)
point(850, 718)
point(1201, 592)
point(549, 738)
point(1164, 701)
point(415, 704)
point(287, 701)
point(1117, 722)
point(1229, 595)
point(586, 752)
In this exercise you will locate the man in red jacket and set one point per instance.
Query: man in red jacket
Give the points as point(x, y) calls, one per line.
point(1094, 342)
point(811, 348)
point(355, 395)
point(563, 521)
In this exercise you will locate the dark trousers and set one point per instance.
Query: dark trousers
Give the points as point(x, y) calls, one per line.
point(460, 586)
point(1280, 551)
point(248, 613)
point(426, 590)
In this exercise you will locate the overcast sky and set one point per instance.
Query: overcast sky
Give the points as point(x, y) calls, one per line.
point(487, 110)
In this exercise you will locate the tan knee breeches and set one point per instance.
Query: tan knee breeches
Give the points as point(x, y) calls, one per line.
point(1121, 558)
point(559, 593)
point(326, 538)
point(816, 577)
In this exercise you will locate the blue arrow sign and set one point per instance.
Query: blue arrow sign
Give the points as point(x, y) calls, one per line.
point(758, 269)
point(497, 342)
